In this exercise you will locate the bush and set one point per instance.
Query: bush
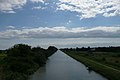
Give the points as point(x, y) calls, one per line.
point(22, 60)
point(116, 61)
point(104, 59)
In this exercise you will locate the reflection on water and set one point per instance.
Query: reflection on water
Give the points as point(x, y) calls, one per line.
point(62, 67)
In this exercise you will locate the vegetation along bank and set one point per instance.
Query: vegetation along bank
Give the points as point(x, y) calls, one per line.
point(104, 60)
point(22, 60)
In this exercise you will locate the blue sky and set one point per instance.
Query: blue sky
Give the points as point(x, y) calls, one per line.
point(59, 18)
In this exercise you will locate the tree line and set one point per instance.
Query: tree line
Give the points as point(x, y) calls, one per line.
point(95, 49)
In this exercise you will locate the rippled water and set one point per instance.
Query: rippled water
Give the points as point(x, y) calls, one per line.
point(62, 67)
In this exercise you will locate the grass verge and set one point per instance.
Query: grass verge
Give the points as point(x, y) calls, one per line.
point(109, 72)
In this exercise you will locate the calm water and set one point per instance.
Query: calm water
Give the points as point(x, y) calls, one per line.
point(62, 67)
point(62, 42)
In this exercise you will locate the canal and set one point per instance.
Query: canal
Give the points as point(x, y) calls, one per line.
point(62, 67)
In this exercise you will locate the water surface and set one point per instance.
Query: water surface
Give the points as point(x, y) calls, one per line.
point(62, 67)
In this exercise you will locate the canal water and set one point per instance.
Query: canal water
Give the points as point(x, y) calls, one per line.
point(62, 67)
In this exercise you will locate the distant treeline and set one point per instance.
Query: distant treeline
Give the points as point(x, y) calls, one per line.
point(22, 60)
point(95, 49)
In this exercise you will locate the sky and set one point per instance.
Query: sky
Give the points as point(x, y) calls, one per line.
point(59, 19)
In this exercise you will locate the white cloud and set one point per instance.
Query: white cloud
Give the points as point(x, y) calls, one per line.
point(8, 6)
point(9, 11)
point(91, 8)
point(10, 27)
point(69, 22)
point(39, 7)
point(61, 32)
point(38, 1)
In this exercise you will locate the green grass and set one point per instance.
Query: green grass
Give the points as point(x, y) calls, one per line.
point(2, 55)
point(107, 71)
point(109, 59)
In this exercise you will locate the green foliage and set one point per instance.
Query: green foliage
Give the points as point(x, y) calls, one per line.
point(39, 55)
point(104, 59)
point(20, 50)
point(22, 60)
point(50, 50)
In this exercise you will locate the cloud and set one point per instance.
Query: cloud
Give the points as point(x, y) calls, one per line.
point(61, 32)
point(39, 7)
point(38, 1)
point(8, 6)
point(10, 27)
point(91, 8)
point(69, 22)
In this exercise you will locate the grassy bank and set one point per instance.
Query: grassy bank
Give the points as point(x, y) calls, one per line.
point(107, 71)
